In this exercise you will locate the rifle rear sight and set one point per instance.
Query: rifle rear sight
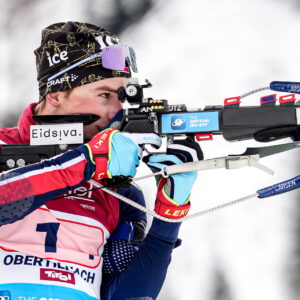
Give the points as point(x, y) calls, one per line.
point(133, 93)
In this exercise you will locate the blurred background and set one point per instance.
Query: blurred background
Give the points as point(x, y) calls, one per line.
point(197, 53)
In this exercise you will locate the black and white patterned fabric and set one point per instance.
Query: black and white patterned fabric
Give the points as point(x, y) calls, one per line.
point(117, 255)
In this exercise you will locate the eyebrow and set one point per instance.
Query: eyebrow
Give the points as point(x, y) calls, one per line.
point(107, 88)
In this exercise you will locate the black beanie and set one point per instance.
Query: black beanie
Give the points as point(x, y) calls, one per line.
point(64, 44)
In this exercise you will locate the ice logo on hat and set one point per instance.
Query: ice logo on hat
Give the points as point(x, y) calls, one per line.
point(178, 123)
point(57, 58)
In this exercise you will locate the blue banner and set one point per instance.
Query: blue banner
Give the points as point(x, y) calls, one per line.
point(190, 122)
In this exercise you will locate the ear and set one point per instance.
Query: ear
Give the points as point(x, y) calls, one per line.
point(54, 99)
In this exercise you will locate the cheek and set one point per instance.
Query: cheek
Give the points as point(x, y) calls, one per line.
point(88, 106)
point(119, 105)
point(115, 105)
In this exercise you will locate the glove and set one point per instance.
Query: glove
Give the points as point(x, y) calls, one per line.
point(173, 193)
point(117, 154)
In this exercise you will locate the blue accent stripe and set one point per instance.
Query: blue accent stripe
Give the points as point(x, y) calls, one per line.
point(279, 188)
point(285, 86)
point(74, 65)
point(267, 99)
point(124, 231)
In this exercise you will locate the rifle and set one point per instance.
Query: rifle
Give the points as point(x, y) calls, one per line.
point(267, 122)
point(264, 123)
point(13, 156)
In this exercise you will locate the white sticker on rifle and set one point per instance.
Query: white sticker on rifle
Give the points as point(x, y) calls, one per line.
point(298, 115)
point(71, 133)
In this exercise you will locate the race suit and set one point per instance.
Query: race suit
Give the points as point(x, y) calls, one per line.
point(58, 232)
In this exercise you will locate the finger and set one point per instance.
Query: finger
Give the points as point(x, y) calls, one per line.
point(164, 158)
point(185, 153)
point(187, 150)
point(141, 139)
point(125, 141)
point(156, 166)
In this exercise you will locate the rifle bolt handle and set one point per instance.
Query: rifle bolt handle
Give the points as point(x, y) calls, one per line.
point(10, 163)
point(20, 162)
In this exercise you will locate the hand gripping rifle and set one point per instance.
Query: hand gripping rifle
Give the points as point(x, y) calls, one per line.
point(264, 123)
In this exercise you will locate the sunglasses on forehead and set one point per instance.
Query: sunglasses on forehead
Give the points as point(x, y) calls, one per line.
point(114, 57)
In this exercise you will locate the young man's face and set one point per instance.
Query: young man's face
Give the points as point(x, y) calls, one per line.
point(99, 98)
